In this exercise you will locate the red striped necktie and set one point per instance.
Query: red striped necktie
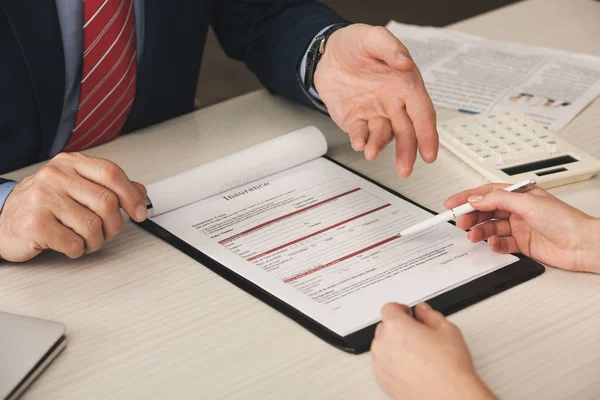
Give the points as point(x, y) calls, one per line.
point(108, 72)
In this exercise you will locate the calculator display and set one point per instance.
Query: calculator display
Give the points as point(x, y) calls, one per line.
point(534, 166)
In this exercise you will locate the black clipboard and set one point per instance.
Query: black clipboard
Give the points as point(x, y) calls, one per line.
point(359, 342)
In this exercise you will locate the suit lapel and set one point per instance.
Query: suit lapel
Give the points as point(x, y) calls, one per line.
point(36, 26)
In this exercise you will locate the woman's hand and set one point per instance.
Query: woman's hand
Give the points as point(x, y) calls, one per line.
point(423, 358)
point(535, 223)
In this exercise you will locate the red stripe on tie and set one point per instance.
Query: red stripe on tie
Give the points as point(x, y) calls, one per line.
point(108, 79)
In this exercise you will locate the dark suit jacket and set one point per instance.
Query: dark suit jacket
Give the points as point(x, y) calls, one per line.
point(270, 36)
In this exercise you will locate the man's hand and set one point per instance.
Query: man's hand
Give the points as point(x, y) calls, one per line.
point(71, 205)
point(375, 93)
point(535, 223)
point(423, 358)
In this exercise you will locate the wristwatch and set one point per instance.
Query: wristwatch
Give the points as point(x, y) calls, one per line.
point(314, 54)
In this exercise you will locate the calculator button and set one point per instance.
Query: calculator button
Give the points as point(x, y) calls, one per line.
point(486, 156)
point(458, 138)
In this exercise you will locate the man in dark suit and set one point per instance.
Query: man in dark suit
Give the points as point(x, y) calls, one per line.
point(75, 74)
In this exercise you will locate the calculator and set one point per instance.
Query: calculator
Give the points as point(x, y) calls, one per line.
point(507, 146)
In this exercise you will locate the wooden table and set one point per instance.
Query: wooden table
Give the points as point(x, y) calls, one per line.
point(146, 321)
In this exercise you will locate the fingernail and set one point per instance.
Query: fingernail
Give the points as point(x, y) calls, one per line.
point(424, 306)
point(141, 213)
point(357, 146)
point(371, 155)
point(404, 172)
point(474, 199)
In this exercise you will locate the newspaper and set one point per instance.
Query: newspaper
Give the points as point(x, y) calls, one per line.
point(472, 74)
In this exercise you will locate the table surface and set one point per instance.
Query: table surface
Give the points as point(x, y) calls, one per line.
point(146, 321)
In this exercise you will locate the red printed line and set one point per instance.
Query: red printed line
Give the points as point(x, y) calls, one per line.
point(288, 215)
point(318, 232)
point(339, 260)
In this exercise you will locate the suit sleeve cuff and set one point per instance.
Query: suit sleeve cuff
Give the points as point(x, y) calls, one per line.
point(6, 189)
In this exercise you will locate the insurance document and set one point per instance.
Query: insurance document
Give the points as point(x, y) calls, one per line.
point(325, 241)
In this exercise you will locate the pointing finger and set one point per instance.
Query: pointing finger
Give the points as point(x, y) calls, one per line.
point(406, 143)
point(461, 198)
point(422, 114)
point(518, 203)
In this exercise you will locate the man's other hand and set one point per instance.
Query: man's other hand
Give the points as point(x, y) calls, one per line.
point(71, 205)
point(374, 92)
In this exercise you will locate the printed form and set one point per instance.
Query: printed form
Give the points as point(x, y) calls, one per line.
point(471, 74)
point(325, 241)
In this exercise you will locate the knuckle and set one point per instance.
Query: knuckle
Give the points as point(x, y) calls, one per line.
point(48, 172)
point(76, 249)
point(112, 172)
point(93, 225)
point(107, 202)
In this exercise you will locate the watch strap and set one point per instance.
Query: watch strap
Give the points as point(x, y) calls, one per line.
point(314, 54)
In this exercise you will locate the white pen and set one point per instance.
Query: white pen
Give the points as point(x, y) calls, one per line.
point(460, 211)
